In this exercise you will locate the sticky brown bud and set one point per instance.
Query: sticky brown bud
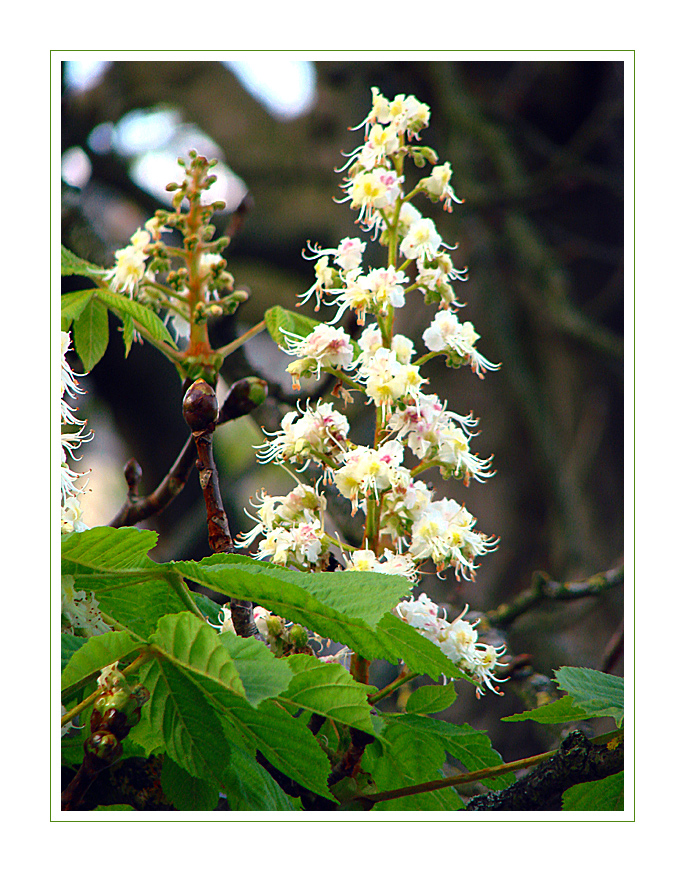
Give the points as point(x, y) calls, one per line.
point(200, 406)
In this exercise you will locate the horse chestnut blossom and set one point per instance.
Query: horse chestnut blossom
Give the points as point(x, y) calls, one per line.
point(458, 640)
point(325, 346)
point(404, 527)
point(448, 335)
point(71, 482)
point(130, 264)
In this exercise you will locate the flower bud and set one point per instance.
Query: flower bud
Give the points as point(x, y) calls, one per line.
point(298, 636)
point(200, 406)
point(104, 746)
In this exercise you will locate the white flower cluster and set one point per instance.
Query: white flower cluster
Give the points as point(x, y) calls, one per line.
point(80, 611)
point(72, 483)
point(292, 527)
point(405, 526)
point(458, 640)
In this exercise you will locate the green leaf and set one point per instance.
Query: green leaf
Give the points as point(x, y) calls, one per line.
point(603, 795)
point(470, 747)
point(263, 675)
point(560, 711)
point(69, 644)
point(192, 645)
point(73, 265)
point(91, 333)
point(329, 690)
point(251, 788)
point(266, 585)
point(363, 596)
point(102, 548)
point(73, 305)
point(187, 724)
point(278, 319)
point(286, 742)
point(406, 760)
point(145, 317)
point(599, 694)
point(137, 597)
point(98, 652)
point(431, 698)
point(184, 791)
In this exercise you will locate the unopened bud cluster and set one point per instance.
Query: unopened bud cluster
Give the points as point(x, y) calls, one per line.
point(190, 283)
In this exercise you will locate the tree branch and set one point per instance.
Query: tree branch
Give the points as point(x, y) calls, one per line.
point(544, 588)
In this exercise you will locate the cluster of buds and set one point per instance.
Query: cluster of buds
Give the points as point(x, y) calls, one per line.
point(115, 712)
point(72, 482)
point(283, 638)
point(198, 286)
point(405, 525)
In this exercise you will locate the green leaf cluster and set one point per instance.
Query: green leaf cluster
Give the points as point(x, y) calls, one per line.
point(87, 311)
point(227, 714)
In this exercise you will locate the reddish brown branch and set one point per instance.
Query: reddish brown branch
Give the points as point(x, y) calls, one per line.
point(200, 410)
point(244, 396)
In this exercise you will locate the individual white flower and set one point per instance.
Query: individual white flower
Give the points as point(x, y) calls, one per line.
point(422, 240)
point(385, 287)
point(318, 434)
point(325, 346)
point(422, 614)
point(299, 545)
point(371, 191)
point(381, 142)
point(325, 278)
point(437, 185)
point(387, 380)
point(368, 471)
point(71, 514)
point(390, 562)
point(129, 264)
point(458, 341)
point(455, 458)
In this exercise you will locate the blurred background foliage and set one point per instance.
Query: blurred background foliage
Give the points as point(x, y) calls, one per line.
point(536, 149)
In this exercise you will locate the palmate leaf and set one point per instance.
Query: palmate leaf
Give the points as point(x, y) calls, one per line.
point(263, 675)
point(193, 646)
point(186, 792)
point(366, 596)
point(124, 306)
point(72, 305)
point(114, 565)
point(250, 787)
point(103, 548)
point(561, 711)
point(285, 742)
point(329, 690)
point(187, 724)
